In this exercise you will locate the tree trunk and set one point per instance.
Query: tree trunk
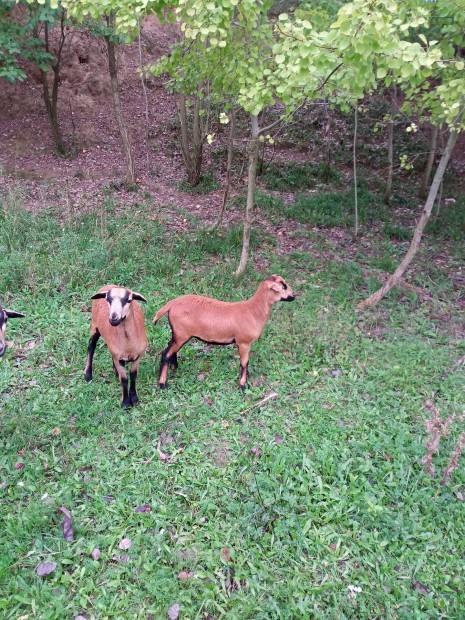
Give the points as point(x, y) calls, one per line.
point(397, 275)
point(112, 66)
point(51, 102)
point(388, 190)
point(192, 154)
point(232, 132)
point(429, 163)
point(354, 154)
point(252, 177)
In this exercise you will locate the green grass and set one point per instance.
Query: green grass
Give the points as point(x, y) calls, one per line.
point(293, 176)
point(337, 208)
point(208, 183)
point(336, 495)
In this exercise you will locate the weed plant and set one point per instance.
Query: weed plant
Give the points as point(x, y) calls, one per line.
point(312, 505)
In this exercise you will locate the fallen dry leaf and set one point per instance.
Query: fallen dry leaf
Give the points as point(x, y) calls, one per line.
point(125, 543)
point(184, 575)
point(45, 568)
point(225, 554)
point(67, 525)
point(173, 613)
point(143, 508)
point(419, 587)
point(460, 496)
point(95, 553)
point(256, 451)
point(278, 439)
point(56, 431)
point(19, 465)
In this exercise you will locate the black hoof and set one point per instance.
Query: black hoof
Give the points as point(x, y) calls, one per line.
point(163, 386)
point(133, 399)
point(125, 404)
point(88, 377)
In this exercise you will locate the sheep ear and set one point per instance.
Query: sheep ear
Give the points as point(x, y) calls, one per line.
point(11, 314)
point(139, 297)
point(277, 286)
point(99, 295)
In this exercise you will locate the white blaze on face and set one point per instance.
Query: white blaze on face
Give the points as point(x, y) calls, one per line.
point(120, 302)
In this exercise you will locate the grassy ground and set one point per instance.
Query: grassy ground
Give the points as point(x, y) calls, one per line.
point(312, 505)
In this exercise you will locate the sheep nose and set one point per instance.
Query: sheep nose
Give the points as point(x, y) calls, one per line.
point(114, 316)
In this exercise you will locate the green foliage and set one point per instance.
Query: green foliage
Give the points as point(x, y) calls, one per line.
point(337, 208)
point(18, 41)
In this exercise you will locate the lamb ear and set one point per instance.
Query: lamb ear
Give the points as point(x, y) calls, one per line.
point(99, 295)
point(277, 286)
point(11, 314)
point(139, 297)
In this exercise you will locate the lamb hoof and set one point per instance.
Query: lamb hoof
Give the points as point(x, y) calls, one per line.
point(125, 404)
point(88, 377)
point(133, 399)
point(163, 386)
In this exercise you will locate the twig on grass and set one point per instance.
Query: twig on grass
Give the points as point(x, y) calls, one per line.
point(262, 401)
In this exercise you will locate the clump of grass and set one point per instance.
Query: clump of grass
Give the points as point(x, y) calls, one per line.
point(450, 222)
point(337, 208)
point(208, 183)
point(271, 205)
point(396, 231)
point(293, 176)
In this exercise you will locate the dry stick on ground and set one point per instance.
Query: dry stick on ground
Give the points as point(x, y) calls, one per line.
point(454, 460)
point(228, 170)
point(262, 401)
point(393, 280)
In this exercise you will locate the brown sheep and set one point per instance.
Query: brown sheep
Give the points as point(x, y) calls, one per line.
point(118, 318)
point(220, 322)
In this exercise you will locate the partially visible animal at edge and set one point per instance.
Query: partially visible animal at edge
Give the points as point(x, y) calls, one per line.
point(119, 320)
point(4, 316)
point(220, 322)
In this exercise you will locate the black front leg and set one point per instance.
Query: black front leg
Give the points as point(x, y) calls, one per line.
point(125, 403)
point(90, 355)
point(133, 399)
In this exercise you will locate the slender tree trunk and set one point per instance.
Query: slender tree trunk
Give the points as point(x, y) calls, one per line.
point(429, 162)
point(146, 101)
point(192, 154)
point(232, 131)
point(388, 190)
point(354, 154)
point(252, 177)
point(51, 101)
point(399, 272)
point(113, 69)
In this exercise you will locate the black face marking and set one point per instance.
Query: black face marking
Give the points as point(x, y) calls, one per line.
point(272, 278)
point(109, 298)
point(3, 318)
point(284, 286)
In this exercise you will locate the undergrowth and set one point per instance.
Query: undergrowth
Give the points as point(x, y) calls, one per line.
point(313, 504)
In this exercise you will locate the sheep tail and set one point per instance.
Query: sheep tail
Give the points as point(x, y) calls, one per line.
point(161, 312)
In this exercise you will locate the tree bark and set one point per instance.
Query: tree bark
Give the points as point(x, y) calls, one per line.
point(113, 69)
point(192, 154)
point(429, 162)
point(51, 101)
point(252, 177)
point(354, 155)
point(232, 131)
point(388, 190)
point(399, 272)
